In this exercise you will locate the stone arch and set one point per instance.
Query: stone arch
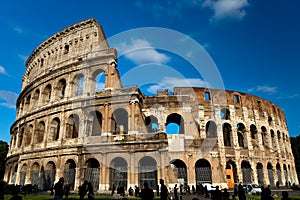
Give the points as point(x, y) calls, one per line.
point(227, 134)
point(175, 124)
point(96, 119)
point(23, 171)
point(78, 84)
point(118, 175)
point(148, 171)
point(39, 133)
point(246, 171)
point(20, 137)
point(278, 169)
point(270, 173)
point(211, 129)
point(99, 77)
point(285, 172)
point(260, 174)
point(264, 135)
point(119, 122)
point(69, 173)
point(14, 174)
point(35, 98)
point(72, 126)
point(151, 123)
point(242, 137)
point(203, 171)
point(46, 94)
point(92, 172)
point(50, 173)
point(231, 173)
point(180, 171)
point(27, 102)
point(273, 138)
point(28, 135)
point(61, 88)
point(54, 130)
point(35, 174)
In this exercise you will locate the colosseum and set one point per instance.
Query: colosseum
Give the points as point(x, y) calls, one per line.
point(76, 120)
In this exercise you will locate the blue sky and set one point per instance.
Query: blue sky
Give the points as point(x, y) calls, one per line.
point(254, 44)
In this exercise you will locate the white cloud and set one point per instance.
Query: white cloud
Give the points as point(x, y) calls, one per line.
point(141, 52)
point(171, 82)
point(23, 57)
point(2, 70)
point(263, 88)
point(9, 99)
point(227, 9)
point(18, 29)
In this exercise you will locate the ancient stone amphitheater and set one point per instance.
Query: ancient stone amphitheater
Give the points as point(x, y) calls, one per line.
point(76, 120)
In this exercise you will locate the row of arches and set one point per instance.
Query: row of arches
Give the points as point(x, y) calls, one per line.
point(63, 89)
point(45, 176)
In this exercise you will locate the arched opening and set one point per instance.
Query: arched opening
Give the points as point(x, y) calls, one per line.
point(35, 170)
point(270, 174)
point(120, 122)
point(35, 98)
point(40, 132)
point(50, 172)
point(92, 172)
point(227, 135)
point(264, 135)
point(14, 175)
point(260, 174)
point(118, 172)
point(180, 171)
point(203, 171)
point(278, 169)
point(247, 172)
point(54, 130)
point(29, 132)
point(225, 114)
point(61, 89)
point(231, 173)
point(253, 132)
point(47, 93)
point(240, 133)
point(96, 118)
point(69, 173)
point(285, 174)
point(175, 124)
point(211, 129)
point(20, 137)
point(23, 174)
point(79, 84)
point(72, 126)
point(27, 102)
point(148, 172)
point(273, 138)
point(99, 77)
point(151, 124)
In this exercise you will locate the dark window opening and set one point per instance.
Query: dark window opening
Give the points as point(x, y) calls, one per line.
point(66, 49)
point(207, 96)
point(236, 99)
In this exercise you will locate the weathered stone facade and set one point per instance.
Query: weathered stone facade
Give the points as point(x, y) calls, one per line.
point(75, 120)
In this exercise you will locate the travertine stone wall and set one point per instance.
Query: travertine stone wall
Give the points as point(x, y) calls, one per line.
point(73, 115)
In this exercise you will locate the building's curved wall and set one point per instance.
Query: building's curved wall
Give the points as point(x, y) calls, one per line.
point(74, 117)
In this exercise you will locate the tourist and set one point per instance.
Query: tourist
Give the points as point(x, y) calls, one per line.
point(285, 195)
point(90, 191)
point(146, 192)
point(225, 194)
point(163, 190)
point(59, 189)
point(175, 192)
point(67, 190)
point(241, 192)
point(113, 189)
point(82, 190)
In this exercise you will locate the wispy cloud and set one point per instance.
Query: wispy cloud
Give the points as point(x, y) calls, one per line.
point(264, 89)
point(2, 70)
point(227, 9)
point(141, 52)
point(171, 82)
point(292, 96)
point(8, 99)
point(18, 29)
point(22, 57)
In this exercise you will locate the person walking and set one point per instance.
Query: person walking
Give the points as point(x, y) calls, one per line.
point(147, 193)
point(163, 190)
point(90, 191)
point(59, 189)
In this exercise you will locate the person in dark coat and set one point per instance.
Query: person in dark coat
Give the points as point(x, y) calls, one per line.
point(90, 191)
point(147, 193)
point(241, 192)
point(82, 190)
point(59, 189)
point(163, 190)
point(175, 192)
